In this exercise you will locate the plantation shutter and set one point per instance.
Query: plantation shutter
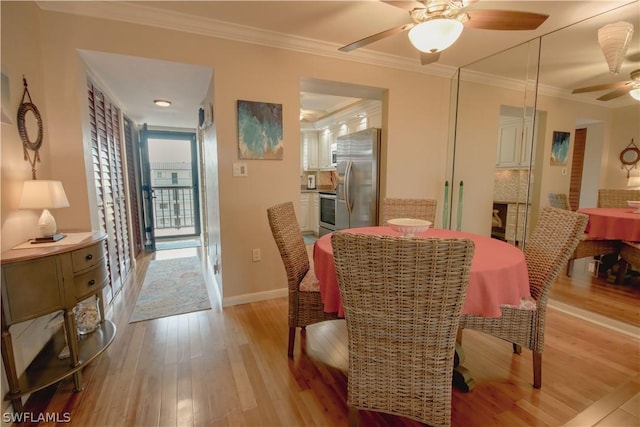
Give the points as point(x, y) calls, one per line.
point(110, 187)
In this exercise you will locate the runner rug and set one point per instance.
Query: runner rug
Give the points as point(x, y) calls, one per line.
point(170, 287)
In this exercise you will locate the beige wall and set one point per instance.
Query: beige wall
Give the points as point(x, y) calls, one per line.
point(415, 137)
point(625, 127)
point(21, 56)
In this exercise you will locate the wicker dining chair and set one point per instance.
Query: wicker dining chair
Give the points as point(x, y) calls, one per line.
point(402, 300)
point(408, 208)
point(559, 200)
point(305, 305)
point(615, 198)
point(597, 247)
point(554, 238)
point(629, 254)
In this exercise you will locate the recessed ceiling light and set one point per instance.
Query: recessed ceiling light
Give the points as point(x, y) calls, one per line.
point(162, 102)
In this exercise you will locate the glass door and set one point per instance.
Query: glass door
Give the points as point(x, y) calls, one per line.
point(170, 186)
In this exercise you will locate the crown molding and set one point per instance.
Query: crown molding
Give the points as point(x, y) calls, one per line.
point(145, 15)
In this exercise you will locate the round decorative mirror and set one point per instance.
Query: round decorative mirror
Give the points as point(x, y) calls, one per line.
point(30, 126)
point(630, 156)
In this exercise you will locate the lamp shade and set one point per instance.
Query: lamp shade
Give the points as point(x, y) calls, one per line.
point(435, 35)
point(43, 194)
point(634, 181)
point(614, 40)
point(635, 93)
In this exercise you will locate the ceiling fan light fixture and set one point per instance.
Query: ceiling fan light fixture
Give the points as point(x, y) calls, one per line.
point(435, 35)
point(635, 93)
point(614, 41)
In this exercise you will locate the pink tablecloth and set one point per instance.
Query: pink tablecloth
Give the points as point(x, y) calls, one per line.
point(498, 272)
point(613, 223)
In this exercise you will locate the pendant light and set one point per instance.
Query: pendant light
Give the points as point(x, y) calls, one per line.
point(614, 40)
point(435, 35)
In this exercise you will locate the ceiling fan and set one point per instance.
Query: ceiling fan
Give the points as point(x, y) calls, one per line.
point(620, 88)
point(437, 24)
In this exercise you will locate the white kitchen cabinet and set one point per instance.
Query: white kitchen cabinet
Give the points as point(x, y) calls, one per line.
point(514, 144)
point(324, 150)
point(314, 213)
point(305, 206)
point(516, 217)
point(309, 150)
point(309, 219)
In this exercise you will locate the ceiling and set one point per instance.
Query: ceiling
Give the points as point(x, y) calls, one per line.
point(322, 27)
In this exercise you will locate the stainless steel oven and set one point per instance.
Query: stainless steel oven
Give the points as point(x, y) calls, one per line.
point(327, 213)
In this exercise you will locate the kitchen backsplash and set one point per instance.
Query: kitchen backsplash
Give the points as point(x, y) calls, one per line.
point(323, 179)
point(510, 185)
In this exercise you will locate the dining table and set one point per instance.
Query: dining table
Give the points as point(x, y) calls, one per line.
point(613, 223)
point(498, 276)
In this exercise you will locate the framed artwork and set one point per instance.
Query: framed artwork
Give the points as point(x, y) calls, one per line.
point(5, 112)
point(560, 148)
point(260, 130)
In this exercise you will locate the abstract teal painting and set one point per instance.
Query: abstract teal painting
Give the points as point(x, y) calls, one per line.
point(560, 148)
point(260, 130)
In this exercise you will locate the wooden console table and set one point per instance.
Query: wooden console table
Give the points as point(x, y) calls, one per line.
point(43, 279)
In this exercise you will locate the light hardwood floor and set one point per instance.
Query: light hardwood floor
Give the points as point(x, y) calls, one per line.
point(620, 302)
point(228, 367)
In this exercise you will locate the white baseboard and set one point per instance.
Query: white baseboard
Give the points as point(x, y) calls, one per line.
point(258, 296)
point(598, 319)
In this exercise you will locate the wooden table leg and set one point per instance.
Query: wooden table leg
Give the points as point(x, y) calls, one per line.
point(462, 379)
point(622, 270)
point(8, 359)
point(72, 342)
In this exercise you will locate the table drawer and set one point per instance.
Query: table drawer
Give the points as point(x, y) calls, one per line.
point(91, 281)
point(87, 257)
point(34, 289)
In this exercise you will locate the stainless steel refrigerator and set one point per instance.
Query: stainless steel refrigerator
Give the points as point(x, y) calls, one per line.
point(358, 168)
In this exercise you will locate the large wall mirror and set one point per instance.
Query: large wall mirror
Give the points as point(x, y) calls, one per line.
point(513, 113)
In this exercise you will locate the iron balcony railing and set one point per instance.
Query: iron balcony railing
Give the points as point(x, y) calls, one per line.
point(173, 207)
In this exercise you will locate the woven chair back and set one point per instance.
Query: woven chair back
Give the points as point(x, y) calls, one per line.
point(550, 246)
point(408, 208)
point(286, 232)
point(616, 198)
point(402, 299)
point(559, 200)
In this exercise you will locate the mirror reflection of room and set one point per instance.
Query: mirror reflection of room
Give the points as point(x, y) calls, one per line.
point(589, 133)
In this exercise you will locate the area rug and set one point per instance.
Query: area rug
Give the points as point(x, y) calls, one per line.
point(170, 287)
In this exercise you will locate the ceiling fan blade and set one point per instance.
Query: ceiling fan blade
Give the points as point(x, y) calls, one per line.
point(504, 20)
point(616, 93)
point(429, 58)
point(600, 87)
point(374, 38)
point(406, 5)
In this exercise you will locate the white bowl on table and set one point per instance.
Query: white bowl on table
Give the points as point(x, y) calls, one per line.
point(634, 204)
point(409, 226)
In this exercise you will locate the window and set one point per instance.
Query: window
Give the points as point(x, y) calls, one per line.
point(174, 178)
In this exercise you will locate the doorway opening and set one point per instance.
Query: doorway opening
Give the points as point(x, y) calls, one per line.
point(170, 188)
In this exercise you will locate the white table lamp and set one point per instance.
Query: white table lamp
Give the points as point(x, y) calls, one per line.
point(634, 181)
point(44, 194)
